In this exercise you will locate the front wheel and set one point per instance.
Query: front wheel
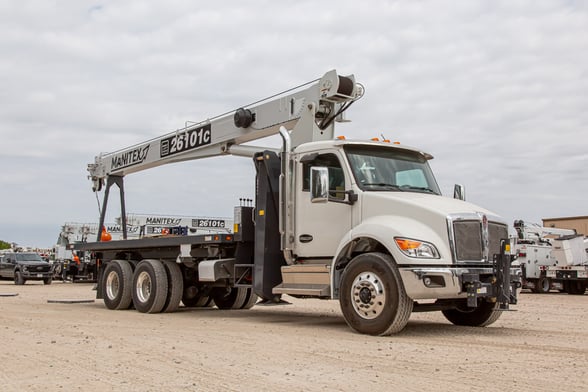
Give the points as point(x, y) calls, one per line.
point(372, 295)
point(18, 278)
point(48, 280)
point(485, 314)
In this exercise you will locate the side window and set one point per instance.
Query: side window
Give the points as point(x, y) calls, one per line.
point(336, 176)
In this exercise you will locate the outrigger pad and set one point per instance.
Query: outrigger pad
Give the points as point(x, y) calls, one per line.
point(70, 301)
point(271, 302)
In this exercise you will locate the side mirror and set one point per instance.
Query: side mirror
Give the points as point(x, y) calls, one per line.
point(459, 192)
point(319, 184)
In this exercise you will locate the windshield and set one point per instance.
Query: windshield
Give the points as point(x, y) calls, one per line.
point(389, 169)
point(28, 257)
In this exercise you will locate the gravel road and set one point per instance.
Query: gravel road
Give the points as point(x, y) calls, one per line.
point(305, 346)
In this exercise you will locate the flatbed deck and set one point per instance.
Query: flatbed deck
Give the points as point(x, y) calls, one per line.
point(154, 242)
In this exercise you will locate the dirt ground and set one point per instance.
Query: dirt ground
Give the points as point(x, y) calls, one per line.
point(305, 346)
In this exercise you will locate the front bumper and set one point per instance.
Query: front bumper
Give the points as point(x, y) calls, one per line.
point(33, 275)
point(456, 282)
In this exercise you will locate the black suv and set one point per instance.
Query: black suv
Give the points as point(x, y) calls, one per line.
point(23, 266)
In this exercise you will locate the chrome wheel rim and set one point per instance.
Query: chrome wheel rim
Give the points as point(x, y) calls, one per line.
point(368, 295)
point(143, 287)
point(112, 285)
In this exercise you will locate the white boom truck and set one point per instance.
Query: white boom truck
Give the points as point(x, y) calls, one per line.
point(551, 258)
point(534, 253)
point(363, 222)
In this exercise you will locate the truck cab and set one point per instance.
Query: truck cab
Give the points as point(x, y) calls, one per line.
point(385, 196)
point(358, 198)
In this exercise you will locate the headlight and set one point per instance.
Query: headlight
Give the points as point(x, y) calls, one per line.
point(416, 248)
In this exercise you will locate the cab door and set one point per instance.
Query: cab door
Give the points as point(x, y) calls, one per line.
point(8, 265)
point(320, 227)
point(2, 265)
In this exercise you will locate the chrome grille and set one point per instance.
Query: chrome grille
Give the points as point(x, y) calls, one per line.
point(466, 237)
point(40, 268)
point(496, 233)
point(468, 240)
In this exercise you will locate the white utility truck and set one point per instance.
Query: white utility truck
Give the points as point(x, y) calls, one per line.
point(534, 253)
point(551, 258)
point(362, 222)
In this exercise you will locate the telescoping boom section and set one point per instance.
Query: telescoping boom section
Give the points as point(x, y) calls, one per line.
point(308, 111)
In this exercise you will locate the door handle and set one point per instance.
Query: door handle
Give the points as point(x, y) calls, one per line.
point(305, 238)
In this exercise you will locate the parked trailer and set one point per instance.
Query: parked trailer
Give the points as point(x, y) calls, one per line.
point(362, 222)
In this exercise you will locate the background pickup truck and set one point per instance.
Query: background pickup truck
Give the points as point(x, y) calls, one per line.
point(25, 266)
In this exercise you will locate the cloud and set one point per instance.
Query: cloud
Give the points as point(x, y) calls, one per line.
point(496, 91)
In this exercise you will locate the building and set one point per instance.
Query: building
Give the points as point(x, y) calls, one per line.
point(578, 223)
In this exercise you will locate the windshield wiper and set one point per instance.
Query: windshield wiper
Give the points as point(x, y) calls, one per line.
point(382, 184)
point(402, 188)
point(418, 188)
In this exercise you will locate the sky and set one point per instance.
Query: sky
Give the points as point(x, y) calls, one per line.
point(496, 91)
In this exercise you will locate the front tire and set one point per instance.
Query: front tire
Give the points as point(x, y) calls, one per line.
point(372, 296)
point(117, 285)
point(19, 280)
point(149, 286)
point(485, 314)
point(48, 280)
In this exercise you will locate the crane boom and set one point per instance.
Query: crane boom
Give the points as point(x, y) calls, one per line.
point(308, 112)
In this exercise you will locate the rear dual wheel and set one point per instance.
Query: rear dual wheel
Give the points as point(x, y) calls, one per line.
point(543, 285)
point(153, 287)
point(117, 285)
point(150, 286)
point(234, 297)
point(197, 297)
point(575, 287)
point(175, 286)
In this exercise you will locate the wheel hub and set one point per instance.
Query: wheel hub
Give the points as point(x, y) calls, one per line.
point(365, 295)
point(143, 286)
point(368, 295)
point(112, 285)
